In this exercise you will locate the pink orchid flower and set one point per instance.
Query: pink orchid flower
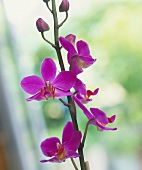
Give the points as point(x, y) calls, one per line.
point(80, 58)
point(86, 98)
point(80, 87)
point(99, 118)
point(82, 94)
point(59, 152)
point(51, 86)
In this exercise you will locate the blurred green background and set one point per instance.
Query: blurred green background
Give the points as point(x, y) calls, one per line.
point(113, 30)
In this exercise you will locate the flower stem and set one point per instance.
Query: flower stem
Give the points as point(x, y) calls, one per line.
point(74, 164)
point(42, 34)
point(71, 103)
point(66, 104)
point(72, 110)
point(81, 158)
point(48, 7)
point(85, 133)
point(66, 17)
point(56, 35)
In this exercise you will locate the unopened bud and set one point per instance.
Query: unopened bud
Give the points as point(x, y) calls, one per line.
point(46, 1)
point(42, 25)
point(64, 7)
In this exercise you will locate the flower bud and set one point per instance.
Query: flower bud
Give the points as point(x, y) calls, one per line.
point(42, 25)
point(64, 7)
point(46, 1)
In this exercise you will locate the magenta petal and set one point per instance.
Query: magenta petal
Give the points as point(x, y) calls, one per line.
point(49, 145)
point(75, 67)
point(71, 38)
point(43, 161)
point(37, 96)
point(52, 160)
point(65, 80)
point(67, 132)
point(112, 119)
point(99, 115)
point(83, 48)
point(96, 91)
point(84, 109)
point(61, 93)
point(104, 127)
point(80, 97)
point(48, 69)
point(32, 84)
point(83, 99)
point(74, 141)
point(88, 61)
point(70, 57)
point(55, 159)
point(80, 87)
point(71, 154)
point(67, 45)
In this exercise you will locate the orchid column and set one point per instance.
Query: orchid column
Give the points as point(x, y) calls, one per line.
point(52, 86)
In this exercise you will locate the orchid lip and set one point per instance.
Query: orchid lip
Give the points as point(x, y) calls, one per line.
point(49, 87)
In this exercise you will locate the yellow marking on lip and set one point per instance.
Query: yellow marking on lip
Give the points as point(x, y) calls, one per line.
point(49, 87)
point(60, 152)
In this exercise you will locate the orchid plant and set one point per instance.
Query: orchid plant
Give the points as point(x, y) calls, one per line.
point(66, 84)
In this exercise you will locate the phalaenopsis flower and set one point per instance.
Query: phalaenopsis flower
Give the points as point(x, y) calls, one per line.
point(59, 151)
point(51, 86)
point(80, 58)
point(82, 93)
point(99, 118)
